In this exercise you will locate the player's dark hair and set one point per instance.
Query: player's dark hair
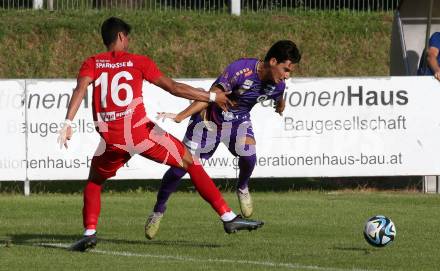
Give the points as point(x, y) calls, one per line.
point(110, 29)
point(283, 50)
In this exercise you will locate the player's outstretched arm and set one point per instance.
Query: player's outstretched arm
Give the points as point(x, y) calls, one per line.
point(78, 94)
point(195, 107)
point(188, 92)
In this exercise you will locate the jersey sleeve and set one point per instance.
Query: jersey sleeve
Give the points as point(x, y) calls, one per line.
point(150, 71)
point(230, 78)
point(87, 68)
point(434, 41)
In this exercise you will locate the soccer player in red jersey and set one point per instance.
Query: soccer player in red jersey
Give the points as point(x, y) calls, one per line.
point(122, 123)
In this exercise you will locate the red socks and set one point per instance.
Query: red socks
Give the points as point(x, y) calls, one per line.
point(207, 189)
point(92, 205)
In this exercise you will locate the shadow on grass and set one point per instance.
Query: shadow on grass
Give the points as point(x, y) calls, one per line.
point(411, 183)
point(45, 240)
point(356, 249)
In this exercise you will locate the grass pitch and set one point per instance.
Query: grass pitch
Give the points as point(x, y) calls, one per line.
point(303, 231)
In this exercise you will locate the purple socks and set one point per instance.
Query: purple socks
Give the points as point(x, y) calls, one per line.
point(169, 184)
point(246, 165)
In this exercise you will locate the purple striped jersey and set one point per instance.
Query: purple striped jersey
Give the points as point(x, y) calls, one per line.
point(241, 78)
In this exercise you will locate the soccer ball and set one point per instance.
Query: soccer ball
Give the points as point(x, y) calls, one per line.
point(379, 231)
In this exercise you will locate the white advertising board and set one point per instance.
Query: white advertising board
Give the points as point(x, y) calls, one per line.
point(352, 127)
point(330, 127)
point(12, 119)
point(47, 107)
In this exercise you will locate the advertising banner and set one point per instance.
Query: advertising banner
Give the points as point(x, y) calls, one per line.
point(352, 127)
point(384, 126)
point(12, 136)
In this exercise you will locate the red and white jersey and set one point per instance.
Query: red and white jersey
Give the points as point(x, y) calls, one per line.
point(117, 91)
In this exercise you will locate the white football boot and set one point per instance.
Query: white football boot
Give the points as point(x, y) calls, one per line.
point(152, 224)
point(245, 200)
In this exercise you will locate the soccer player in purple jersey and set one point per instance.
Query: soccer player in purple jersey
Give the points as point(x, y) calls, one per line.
point(248, 81)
